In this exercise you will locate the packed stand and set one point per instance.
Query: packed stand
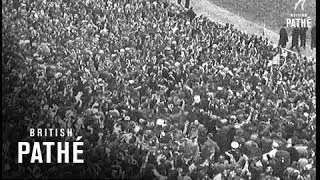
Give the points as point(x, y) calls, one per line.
point(155, 92)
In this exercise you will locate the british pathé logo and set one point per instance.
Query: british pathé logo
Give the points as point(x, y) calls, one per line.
point(299, 18)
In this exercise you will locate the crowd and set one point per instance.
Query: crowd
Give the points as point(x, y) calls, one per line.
point(155, 92)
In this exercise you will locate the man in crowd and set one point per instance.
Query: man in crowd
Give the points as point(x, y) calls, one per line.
point(283, 37)
point(303, 36)
point(187, 5)
point(295, 39)
point(313, 37)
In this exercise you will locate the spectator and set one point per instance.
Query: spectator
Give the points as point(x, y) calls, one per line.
point(303, 36)
point(283, 37)
point(313, 37)
point(187, 5)
point(295, 39)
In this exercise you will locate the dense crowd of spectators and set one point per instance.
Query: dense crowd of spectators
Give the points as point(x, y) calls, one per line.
point(155, 92)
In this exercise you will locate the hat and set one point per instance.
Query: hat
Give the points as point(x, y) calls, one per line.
point(58, 74)
point(114, 113)
point(308, 166)
point(234, 145)
point(303, 162)
point(289, 142)
point(141, 120)
point(239, 132)
point(272, 153)
point(21, 42)
point(197, 98)
point(279, 134)
point(292, 87)
point(223, 121)
point(254, 137)
point(275, 144)
point(259, 164)
point(295, 173)
point(160, 122)
point(264, 157)
point(237, 126)
point(167, 49)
